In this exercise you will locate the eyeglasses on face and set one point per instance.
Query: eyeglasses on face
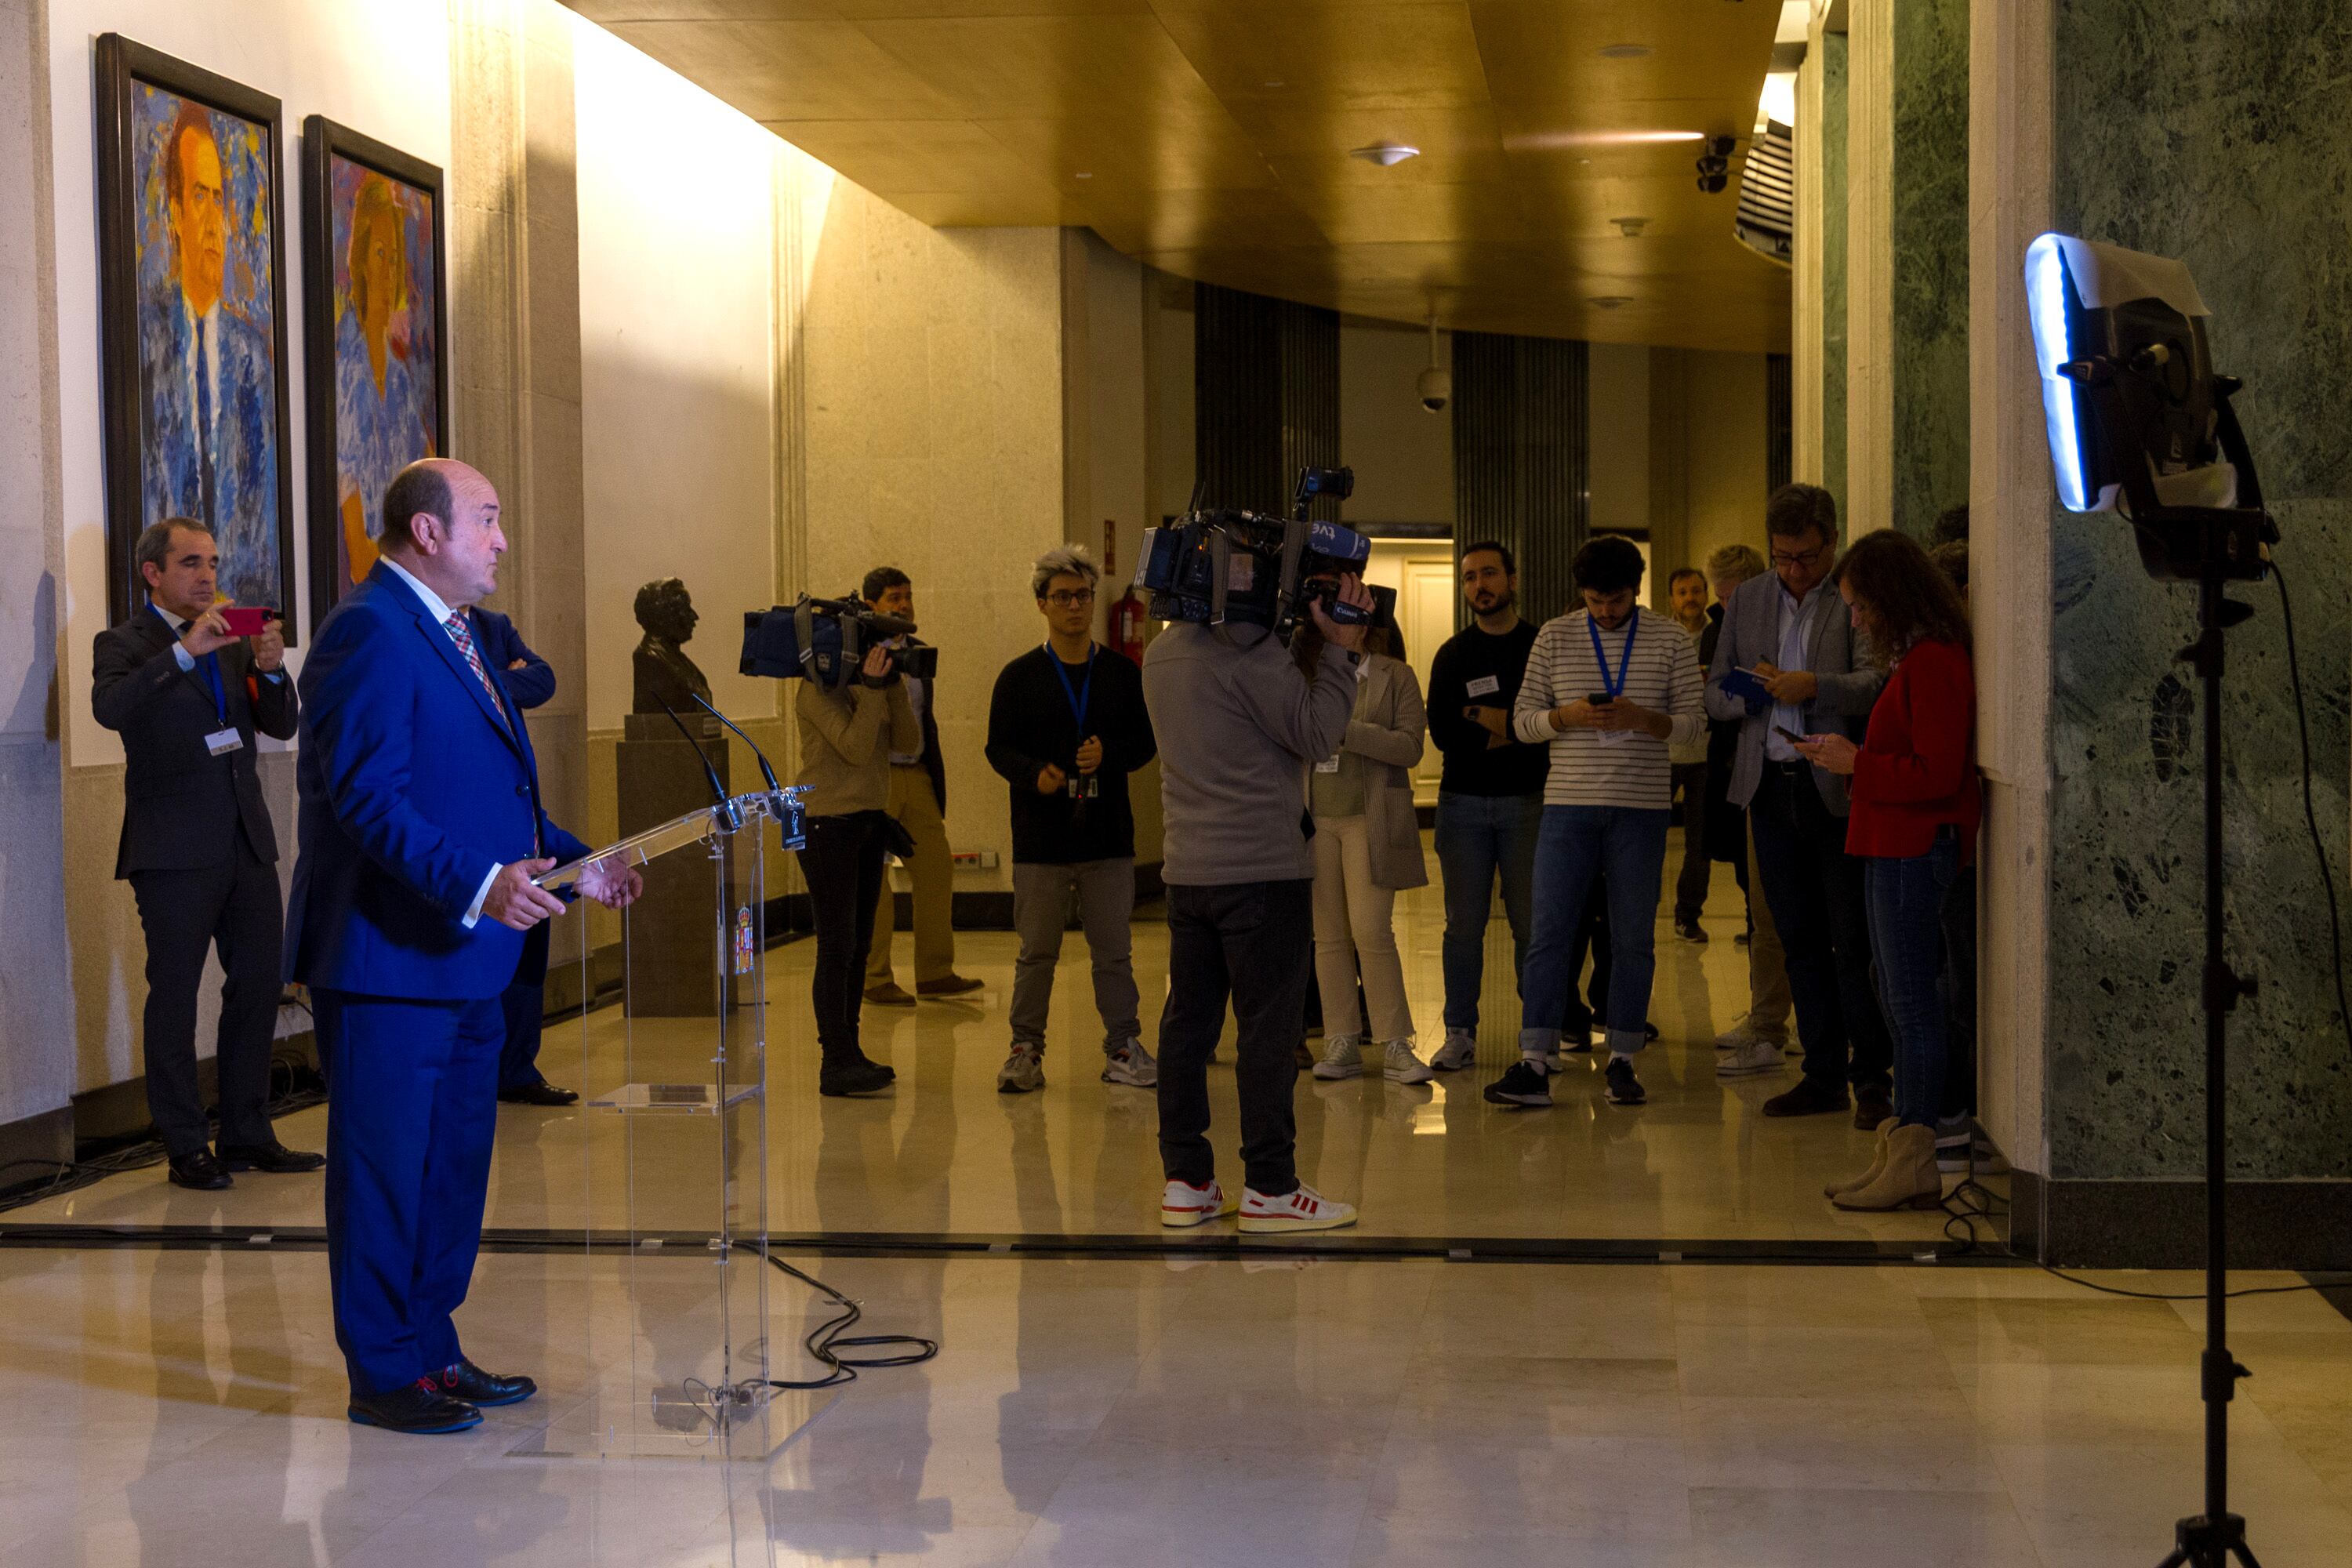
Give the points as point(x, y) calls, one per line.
point(1799, 557)
point(1069, 598)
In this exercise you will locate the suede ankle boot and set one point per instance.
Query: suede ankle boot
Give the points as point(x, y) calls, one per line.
point(1909, 1179)
point(1877, 1163)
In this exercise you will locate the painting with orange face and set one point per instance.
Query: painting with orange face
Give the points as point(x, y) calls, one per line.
point(196, 379)
point(375, 330)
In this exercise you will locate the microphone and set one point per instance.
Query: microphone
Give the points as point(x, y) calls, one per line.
point(785, 807)
point(728, 813)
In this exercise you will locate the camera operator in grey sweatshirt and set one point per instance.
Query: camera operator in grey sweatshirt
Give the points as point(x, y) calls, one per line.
point(1238, 728)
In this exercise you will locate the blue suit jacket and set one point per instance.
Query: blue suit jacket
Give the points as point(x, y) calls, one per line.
point(410, 790)
point(500, 646)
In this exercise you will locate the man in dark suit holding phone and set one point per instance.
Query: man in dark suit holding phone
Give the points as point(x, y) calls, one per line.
point(421, 831)
point(188, 684)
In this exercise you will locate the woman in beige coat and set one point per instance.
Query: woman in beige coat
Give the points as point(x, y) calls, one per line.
point(1367, 846)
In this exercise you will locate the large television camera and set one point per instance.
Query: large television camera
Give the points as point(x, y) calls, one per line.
point(1213, 566)
point(826, 640)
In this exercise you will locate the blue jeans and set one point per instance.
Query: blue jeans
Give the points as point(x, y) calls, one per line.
point(1905, 898)
point(1479, 835)
point(1628, 848)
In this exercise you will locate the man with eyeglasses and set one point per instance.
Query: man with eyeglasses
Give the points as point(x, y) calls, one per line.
point(1796, 668)
point(1066, 727)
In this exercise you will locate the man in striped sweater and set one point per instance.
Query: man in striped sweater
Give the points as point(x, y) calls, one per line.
point(1611, 692)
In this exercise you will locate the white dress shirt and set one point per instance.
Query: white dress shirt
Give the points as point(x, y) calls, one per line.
point(440, 612)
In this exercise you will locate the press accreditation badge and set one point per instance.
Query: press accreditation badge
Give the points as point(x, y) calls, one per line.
point(1485, 686)
point(221, 743)
point(1329, 765)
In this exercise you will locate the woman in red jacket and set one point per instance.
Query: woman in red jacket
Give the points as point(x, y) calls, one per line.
point(1913, 819)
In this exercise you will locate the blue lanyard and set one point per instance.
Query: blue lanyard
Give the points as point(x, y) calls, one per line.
point(210, 665)
point(1624, 660)
point(1076, 694)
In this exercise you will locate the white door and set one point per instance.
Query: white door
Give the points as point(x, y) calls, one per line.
point(1425, 615)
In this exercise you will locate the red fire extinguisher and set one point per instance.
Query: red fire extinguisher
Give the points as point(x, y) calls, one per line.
point(1127, 625)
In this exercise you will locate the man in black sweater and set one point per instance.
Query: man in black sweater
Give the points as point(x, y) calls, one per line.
point(1066, 726)
point(1490, 795)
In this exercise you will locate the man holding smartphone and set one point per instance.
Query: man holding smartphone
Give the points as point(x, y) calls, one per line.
point(1609, 699)
point(1788, 665)
point(188, 684)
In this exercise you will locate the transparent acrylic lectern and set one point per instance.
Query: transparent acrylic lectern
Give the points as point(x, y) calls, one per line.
point(670, 1300)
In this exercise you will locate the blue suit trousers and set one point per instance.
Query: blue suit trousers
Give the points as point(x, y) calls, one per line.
point(413, 1104)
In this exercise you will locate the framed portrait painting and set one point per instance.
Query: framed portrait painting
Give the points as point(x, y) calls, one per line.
point(375, 335)
point(192, 301)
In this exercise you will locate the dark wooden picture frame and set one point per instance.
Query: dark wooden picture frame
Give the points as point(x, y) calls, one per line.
point(325, 144)
point(136, 418)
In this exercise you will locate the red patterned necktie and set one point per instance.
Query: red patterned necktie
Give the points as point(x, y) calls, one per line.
point(463, 634)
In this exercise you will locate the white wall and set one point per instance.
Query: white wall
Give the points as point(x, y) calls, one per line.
point(381, 66)
point(1617, 437)
point(676, 374)
point(1402, 454)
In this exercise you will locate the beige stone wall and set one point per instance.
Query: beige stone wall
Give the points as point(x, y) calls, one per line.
point(933, 365)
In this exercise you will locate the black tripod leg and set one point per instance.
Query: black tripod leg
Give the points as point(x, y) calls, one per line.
point(2243, 1554)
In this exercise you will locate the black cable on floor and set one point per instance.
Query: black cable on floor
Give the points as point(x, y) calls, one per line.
point(2310, 812)
point(825, 1342)
point(73, 1175)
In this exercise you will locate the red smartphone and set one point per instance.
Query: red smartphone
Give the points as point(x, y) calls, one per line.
point(246, 620)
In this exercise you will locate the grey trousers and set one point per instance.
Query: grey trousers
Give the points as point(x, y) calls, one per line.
point(1041, 901)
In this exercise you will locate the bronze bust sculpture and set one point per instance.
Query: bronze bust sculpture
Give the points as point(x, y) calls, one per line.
point(664, 673)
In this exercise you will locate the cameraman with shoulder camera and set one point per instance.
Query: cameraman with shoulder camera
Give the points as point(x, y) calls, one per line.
point(1238, 727)
point(847, 735)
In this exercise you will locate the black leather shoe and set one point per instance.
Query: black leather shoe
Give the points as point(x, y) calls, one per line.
point(199, 1171)
point(859, 1077)
point(418, 1406)
point(471, 1385)
point(276, 1159)
point(540, 1093)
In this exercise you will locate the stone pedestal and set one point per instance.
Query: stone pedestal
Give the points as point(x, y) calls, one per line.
point(673, 951)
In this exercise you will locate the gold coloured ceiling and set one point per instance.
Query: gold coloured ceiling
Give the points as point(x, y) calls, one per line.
point(1210, 138)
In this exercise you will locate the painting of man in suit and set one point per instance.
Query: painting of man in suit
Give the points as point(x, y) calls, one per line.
point(207, 298)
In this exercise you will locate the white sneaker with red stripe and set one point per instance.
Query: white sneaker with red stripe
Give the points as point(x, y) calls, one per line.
point(1302, 1209)
point(1185, 1205)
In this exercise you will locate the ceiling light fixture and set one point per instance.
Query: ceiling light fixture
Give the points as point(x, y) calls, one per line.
point(1387, 155)
point(1609, 301)
point(1625, 51)
point(1086, 175)
point(1543, 141)
point(1630, 228)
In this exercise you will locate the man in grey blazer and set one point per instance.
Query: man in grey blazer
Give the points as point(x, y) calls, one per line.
point(1790, 628)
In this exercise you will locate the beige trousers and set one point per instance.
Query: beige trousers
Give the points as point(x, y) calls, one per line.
point(1768, 965)
point(932, 877)
point(1351, 928)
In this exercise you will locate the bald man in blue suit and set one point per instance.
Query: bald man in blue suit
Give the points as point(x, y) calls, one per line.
point(419, 832)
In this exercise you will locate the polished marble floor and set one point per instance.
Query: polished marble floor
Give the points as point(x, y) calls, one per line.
point(181, 1406)
point(182, 1409)
point(946, 1154)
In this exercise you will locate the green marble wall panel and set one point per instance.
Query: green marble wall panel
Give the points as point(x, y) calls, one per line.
point(1930, 220)
point(2213, 131)
point(1833, 266)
